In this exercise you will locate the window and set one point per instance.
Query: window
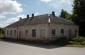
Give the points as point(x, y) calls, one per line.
point(33, 32)
point(42, 32)
point(15, 32)
point(62, 31)
point(53, 32)
point(26, 32)
point(70, 32)
point(7, 32)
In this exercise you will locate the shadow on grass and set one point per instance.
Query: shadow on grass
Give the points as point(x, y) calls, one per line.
point(33, 43)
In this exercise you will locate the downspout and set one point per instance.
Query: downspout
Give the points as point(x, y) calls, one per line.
point(49, 31)
point(49, 26)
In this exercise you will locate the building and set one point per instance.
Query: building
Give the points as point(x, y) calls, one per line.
point(42, 27)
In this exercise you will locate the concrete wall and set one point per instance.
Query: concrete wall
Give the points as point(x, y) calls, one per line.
point(38, 27)
point(9, 29)
point(66, 28)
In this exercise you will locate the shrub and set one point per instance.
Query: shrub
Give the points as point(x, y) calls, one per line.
point(83, 43)
point(62, 41)
point(77, 41)
point(1, 36)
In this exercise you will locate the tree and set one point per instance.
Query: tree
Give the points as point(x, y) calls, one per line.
point(78, 15)
point(64, 14)
point(1, 31)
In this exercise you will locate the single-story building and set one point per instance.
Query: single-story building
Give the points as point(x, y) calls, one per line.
point(42, 27)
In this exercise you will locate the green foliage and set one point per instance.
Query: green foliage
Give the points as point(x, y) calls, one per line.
point(61, 41)
point(70, 41)
point(78, 15)
point(77, 41)
point(64, 14)
point(1, 36)
point(1, 32)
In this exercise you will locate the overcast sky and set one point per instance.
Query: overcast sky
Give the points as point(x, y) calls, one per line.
point(12, 10)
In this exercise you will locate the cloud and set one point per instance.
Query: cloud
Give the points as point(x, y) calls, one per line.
point(46, 1)
point(60, 4)
point(8, 22)
point(12, 20)
point(56, 3)
point(68, 2)
point(21, 15)
point(2, 24)
point(10, 7)
point(2, 16)
point(36, 13)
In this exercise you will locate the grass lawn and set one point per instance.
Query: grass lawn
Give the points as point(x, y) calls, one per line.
point(80, 46)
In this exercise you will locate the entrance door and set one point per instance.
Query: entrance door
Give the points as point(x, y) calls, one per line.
point(20, 35)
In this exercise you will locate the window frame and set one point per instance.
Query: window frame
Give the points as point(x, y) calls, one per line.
point(33, 32)
point(15, 32)
point(26, 32)
point(53, 32)
point(41, 32)
point(62, 31)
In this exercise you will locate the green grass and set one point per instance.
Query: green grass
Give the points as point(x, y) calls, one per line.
point(80, 46)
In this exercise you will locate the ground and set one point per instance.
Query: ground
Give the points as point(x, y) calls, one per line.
point(15, 48)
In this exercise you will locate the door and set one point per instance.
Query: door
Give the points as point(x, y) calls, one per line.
point(20, 35)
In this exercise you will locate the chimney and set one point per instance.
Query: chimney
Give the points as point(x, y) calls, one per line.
point(32, 15)
point(27, 16)
point(53, 13)
point(20, 18)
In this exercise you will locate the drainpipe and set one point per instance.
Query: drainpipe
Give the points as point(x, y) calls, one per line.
point(49, 21)
point(49, 31)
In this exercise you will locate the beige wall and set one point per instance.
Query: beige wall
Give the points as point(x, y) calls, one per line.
point(47, 28)
point(9, 29)
point(66, 28)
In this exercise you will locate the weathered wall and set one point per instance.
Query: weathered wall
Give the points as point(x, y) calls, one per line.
point(47, 27)
point(66, 28)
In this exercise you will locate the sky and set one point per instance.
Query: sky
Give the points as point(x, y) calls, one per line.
point(12, 10)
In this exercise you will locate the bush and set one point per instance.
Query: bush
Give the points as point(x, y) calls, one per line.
point(62, 41)
point(1, 36)
point(83, 43)
point(77, 41)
